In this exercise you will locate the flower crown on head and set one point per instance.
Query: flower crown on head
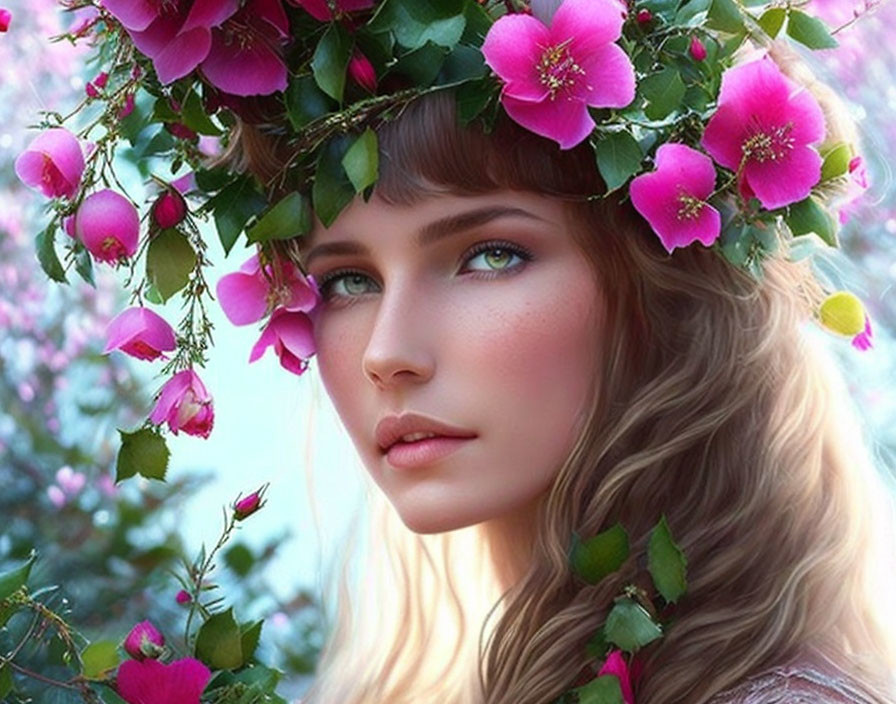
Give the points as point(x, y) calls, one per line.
point(709, 150)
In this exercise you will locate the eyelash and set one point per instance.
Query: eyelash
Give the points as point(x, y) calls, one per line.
point(324, 283)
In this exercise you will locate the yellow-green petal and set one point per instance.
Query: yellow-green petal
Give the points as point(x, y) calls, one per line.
point(843, 313)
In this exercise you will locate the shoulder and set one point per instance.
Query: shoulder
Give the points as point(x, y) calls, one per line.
point(794, 684)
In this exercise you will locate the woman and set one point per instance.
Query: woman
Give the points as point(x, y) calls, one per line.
point(585, 377)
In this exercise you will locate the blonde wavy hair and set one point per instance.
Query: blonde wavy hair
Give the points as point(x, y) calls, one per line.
point(716, 408)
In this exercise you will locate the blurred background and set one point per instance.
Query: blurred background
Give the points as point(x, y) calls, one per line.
point(112, 549)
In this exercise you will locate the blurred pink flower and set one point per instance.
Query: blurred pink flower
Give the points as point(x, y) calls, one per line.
point(140, 333)
point(183, 597)
point(696, 49)
point(53, 163)
point(362, 72)
point(320, 9)
point(552, 74)
point(95, 87)
point(765, 125)
point(70, 481)
point(862, 341)
point(248, 505)
point(169, 209)
point(185, 404)
point(673, 197)
point(5, 19)
point(245, 57)
point(108, 224)
point(144, 641)
point(615, 665)
point(856, 186)
point(246, 295)
point(292, 336)
point(56, 495)
point(152, 682)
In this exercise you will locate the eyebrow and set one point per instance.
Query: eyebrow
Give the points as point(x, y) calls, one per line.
point(431, 232)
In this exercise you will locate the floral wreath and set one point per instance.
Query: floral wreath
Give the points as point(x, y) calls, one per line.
point(731, 155)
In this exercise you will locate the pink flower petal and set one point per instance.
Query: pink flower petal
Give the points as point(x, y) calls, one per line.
point(243, 297)
point(53, 163)
point(140, 332)
point(133, 14)
point(615, 665)
point(513, 48)
point(108, 224)
point(784, 181)
point(564, 120)
point(182, 54)
point(151, 682)
point(268, 337)
point(171, 393)
point(609, 79)
point(296, 334)
point(209, 13)
point(590, 24)
point(250, 69)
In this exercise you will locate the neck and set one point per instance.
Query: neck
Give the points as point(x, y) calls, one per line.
point(510, 539)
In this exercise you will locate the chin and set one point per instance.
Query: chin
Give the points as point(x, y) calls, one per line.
point(430, 522)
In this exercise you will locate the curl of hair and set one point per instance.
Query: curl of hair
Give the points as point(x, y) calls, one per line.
point(713, 406)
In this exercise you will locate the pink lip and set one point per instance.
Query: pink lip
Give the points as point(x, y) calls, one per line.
point(408, 455)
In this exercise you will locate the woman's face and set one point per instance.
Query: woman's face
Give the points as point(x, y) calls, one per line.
point(476, 312)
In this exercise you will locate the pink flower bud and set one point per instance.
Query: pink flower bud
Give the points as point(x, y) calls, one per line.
point(248, 505)
point(140, 333)
point(362, 72)
point(5, 19)
point(185, 404)
point(128, 106)
point(68, 224)
point(183, 597)
point(144, 641)
point(108, 225)
point(179, 130)
point(644, 16)
point(698, 51)
point(52, 163)
point(169, 209)
point(94, 87)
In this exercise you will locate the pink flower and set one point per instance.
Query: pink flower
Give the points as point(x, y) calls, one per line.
point(95, 87)
point(5, 19)
point(53, 163)
point(854, 197)
point(644, 16)
point(70, 481)
point(615, 665)
point(185, 404)
point(144, 641)
point(246, 296)
point(553, 73)
point(362, 72)
point(245, 56)
point(140, 333)
point(169, 209)
point(697, 50)
point(108, 224)
point(152, 682)
point(673, 198)
point(175, 34)
point(248, 505)
point(763, 128)
point(291, 335)
point(183, 597)
point(320, 9)
point(128, 106)
point(862, 341)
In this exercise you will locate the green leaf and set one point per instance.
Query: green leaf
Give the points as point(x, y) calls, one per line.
point(692, 12)
point(99, 658)
point(330, 60)
point(361, 161)
point(110, 697)
point(233, 206)
point(772, 20)
point(290, 217)
point(46, 254)
point(194, 116)
point(601, 690)
point(463, 64)
point(415, 22)
point(332, 190)
point(305, 101)
point(725, 15)
point(84, 266)
point(265, 678)
point(240, 559)
point(666, 562)
point(6, 683)
point(809, 216)
point(218, 643)
point(664, 92)
point(474, 97)
point(629, 626)
point(601, 555)
point(618, 157)
point(422, 65)
point(13, 580)
point(143, 452)
point(169, 262)
point(836, 161)
point(810, 31)
point(211, 180)
point(250, 633)
point(597, 645)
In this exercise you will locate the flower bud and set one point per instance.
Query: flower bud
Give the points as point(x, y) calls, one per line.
point(5, 19)
point(141, 333)
point(362, 72)
point(185, 404)
point(109, 226)
point(842, 312)
point(245, 507)
point(183, 597)
point(169, 209)
point(644, 16)
point(698, 51)
point(53, 163)
point(144, 641)
point(128, 106)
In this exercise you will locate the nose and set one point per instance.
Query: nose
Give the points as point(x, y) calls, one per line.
point(402, 339)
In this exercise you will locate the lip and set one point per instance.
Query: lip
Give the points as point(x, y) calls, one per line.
point(391, 428)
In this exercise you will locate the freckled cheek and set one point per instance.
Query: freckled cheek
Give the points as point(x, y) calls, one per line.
point(340, 346)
